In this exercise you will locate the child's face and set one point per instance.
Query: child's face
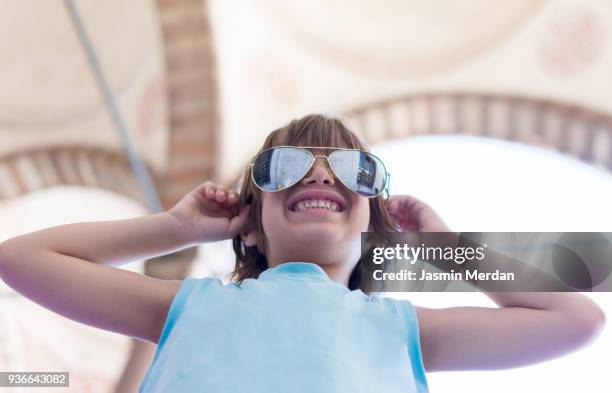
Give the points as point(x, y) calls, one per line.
point(297, 231)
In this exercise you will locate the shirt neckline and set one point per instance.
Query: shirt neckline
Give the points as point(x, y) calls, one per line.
point(306, 271)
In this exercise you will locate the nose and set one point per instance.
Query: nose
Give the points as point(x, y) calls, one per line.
point(319, 173)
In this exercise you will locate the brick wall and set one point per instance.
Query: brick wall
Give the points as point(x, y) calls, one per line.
point(192, 92)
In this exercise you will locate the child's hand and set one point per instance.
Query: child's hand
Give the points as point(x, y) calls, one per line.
point(412, 214)
point(211, 213)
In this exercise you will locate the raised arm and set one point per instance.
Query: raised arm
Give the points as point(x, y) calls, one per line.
point(540, 327)
point(526, 328)
point(67, 269)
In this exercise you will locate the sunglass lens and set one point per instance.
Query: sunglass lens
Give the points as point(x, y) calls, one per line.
point(362, 172)
point(279, 168)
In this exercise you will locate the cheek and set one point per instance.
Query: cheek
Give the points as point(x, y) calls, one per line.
point(271, 212)
point(361, 215)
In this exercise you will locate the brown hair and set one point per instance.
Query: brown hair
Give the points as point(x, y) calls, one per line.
point(310, 130)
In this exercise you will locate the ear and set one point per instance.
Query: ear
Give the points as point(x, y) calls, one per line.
point(249, 237)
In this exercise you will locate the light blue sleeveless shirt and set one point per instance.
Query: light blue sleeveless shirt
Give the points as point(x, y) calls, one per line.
point(291, 330)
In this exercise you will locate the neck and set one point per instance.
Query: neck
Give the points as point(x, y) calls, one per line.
point(338, 262)
point(338, 271)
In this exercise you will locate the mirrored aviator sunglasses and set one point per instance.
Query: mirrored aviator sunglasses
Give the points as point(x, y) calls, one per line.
point(280, 167)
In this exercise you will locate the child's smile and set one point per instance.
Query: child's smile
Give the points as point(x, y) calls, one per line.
point(316, 203)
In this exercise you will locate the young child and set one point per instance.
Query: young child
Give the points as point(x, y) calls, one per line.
point(293, 319)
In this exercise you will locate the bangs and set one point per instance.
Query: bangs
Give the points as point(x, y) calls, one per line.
point(314, 130)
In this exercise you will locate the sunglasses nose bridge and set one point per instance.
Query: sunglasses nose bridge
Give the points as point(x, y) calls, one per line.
point(326, 159)
point(320, 156)
point(328, 169)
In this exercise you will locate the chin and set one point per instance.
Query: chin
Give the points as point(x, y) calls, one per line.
point(317, 234)
point(330, 240)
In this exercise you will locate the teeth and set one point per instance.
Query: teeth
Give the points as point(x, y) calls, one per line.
point(316, 204)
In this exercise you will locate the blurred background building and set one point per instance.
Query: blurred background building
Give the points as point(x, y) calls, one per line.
point(488, 100)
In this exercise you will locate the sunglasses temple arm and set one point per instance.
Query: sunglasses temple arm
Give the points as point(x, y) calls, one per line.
point(387, 185)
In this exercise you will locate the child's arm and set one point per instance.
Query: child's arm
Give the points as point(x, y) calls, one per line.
point(527, 328)
point(62, 268)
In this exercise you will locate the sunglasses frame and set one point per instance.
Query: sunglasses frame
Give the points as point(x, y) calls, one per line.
point(385, 188)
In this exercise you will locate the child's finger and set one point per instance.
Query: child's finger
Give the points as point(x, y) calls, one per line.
point(238, 222)
point(407, 203)
point(221, 194)
point(392, 205)
point(232, 198)
point(209, 190)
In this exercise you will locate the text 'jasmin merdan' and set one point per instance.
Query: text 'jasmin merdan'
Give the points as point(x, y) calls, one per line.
point(412, 254)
